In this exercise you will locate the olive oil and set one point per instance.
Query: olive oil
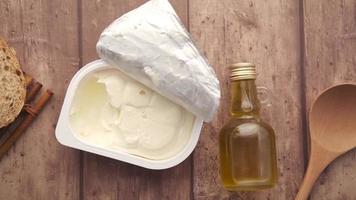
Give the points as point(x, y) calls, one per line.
point(247, 145)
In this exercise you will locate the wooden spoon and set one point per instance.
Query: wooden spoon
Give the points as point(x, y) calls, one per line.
point(332, 131)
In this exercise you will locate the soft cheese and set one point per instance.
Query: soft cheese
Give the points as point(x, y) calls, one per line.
point(151, 45)
point(111, 110)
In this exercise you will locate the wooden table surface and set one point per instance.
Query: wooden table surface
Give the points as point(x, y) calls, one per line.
point(300, 48)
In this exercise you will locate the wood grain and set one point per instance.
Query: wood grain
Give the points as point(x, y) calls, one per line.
point(330, 46)
point(45, 35)
point(54, 38)
point(105, 178)
point(267, 34)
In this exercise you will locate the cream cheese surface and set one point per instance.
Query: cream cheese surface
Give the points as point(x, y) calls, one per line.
point(113, 111)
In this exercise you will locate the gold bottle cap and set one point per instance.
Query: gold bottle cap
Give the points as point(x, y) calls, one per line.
point(242, 71)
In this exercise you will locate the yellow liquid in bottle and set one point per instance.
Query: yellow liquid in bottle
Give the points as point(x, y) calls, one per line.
point(247, 145)
point(247, 155)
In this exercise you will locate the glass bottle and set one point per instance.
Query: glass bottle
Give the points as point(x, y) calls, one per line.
point(247, 144)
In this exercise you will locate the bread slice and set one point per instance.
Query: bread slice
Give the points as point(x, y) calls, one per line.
point(12, 85)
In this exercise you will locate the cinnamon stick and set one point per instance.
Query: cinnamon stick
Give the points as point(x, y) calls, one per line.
point(28, 80)
point(31, 114)
point(34, 89)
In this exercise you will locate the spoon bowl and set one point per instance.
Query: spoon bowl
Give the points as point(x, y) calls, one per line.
point(332, 121)
point(333, 118)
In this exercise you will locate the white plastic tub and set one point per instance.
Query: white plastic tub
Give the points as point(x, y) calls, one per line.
point(65, 135)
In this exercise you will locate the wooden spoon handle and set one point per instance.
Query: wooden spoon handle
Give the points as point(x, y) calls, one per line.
point(318, 161)
point(310, 177)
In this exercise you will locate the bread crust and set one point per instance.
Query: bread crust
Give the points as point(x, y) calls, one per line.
point(12, 85)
